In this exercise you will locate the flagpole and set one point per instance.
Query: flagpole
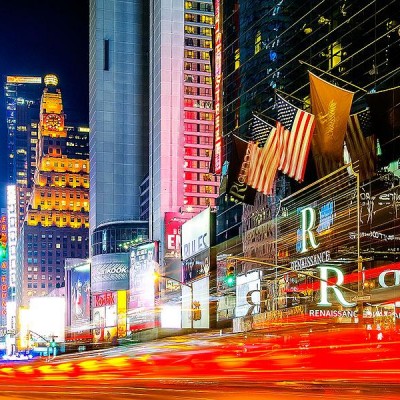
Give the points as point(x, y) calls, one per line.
point(334, 76)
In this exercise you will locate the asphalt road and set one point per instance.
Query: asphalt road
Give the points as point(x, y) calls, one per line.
point(187, 389)
point(154, 371)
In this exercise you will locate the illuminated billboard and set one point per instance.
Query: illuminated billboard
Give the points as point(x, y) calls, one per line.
point(3, 271)
point(80, 298)
point(315, 224)
point(171, 317)
point(172, 246)
point(109, 325)
point(379, 205)
point(218, 90)
point(143, 263)
point(196, 234)
point(196, 266)
point(196, 304)
point(46, 317)
point(12, 233)
point(110, 272)
point(248, 294)
point(24, 79)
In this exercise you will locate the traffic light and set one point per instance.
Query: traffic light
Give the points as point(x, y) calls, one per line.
point(230, 274)
point(3, 246)
point(3, 252)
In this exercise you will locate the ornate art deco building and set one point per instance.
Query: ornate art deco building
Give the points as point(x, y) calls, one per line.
point(57, 220)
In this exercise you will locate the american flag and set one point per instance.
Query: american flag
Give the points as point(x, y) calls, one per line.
point(360, 147)
point(299, 127)
point(264, 161)
point(259, 129)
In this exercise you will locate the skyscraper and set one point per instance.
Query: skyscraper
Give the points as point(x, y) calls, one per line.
point(22, 95)
point(182, 110)
point(119, 156)
point(118, 96)
point(56, 223)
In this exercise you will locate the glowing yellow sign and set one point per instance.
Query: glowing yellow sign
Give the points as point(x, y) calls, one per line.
point(24, 79)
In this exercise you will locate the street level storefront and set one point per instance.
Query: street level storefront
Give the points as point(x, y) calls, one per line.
point(324, 271)
point(198, 267)
point(109, 316)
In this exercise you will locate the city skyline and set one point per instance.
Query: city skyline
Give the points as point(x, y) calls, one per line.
point(59, 45)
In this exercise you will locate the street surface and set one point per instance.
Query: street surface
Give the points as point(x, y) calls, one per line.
point(208, 366)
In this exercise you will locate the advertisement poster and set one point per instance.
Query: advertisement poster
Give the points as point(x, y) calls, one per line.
point(172, 246)
point(99, 322)
point(144, 260)
point(110, 272)
point(121, 313)
point(196, 266)
point(248, 294)
point(80, 298)
point(196, 305)
point(105, 317)
point(111, 315)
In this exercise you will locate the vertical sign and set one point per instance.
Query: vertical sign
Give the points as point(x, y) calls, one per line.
point(3, 272)
point(172, 248)
point(217, 90)
point(12, 233)
point(121, 312)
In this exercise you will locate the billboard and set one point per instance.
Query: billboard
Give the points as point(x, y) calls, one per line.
point(3, 269)
point(218, 90)
point(110, 272)
point(12, 233)
point(105, 316)
point(172, 246)
point(196, 266)
point(24, 79)
point(379, 205)
point(196, 304)
point(80, 298)
point(196, 234)
point(171, 317)
point(315, 224)
point(143, 263)
point(248, 294)
point(121, 313)
point(46, 317)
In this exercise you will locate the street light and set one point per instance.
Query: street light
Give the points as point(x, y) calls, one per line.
point(158, 276)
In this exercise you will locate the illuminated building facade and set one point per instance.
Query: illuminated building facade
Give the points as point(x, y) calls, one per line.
point(22, 95)
point(118, 112)
point(57, 220)
point(200, 187)
point(356, 44)
point(3, 272)
point(181, 111)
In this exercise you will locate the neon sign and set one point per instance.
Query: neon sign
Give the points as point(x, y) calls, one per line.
point(218, 90)
point(326, 285)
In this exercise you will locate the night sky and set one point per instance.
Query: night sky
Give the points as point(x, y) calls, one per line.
point(41, 37)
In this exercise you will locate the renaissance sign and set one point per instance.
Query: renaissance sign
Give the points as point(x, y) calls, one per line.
point(331, 278)
point(315, 224)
